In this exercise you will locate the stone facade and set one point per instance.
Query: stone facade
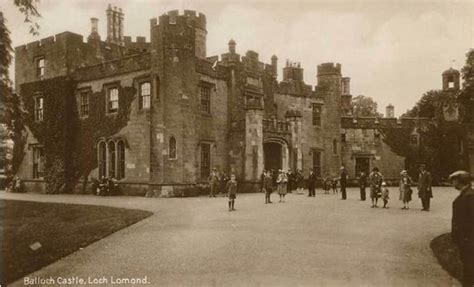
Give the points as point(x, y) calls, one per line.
point(228, 112)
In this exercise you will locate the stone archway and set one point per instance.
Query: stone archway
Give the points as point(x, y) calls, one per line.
point(275, 154)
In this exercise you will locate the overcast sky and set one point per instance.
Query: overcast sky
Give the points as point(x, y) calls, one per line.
point(393, 51)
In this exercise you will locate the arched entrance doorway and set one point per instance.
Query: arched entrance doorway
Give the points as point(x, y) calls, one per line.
point(275, 154)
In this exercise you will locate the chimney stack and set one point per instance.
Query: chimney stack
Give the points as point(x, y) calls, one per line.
point(346, 86)
point(115, 25)
point(94, 35)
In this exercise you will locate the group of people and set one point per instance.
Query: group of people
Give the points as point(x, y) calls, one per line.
point(378, 188)
point(106, 186)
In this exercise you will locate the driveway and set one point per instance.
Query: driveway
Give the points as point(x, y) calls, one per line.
point(321, 241)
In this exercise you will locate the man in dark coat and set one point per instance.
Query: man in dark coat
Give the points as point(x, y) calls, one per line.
point(463, 224)
point(268, 186)
point(424, 188)
point(362, 185)
point(343, 182)
point(311, 183)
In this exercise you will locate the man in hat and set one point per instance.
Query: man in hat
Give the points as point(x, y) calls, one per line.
point(213, 182)
point(462, 230)
point(343, 182)
point(424, 188)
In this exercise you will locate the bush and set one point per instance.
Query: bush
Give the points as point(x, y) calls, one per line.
point(447, 254)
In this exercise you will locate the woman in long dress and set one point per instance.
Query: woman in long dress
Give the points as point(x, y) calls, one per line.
point(282, 182)
point(405, 189)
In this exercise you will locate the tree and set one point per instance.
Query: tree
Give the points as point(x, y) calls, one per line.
point(364, 107)
point(11, 113)
point(428, 106)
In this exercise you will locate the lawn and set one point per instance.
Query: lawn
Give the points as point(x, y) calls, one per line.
point(60, 229)
point(447, 254)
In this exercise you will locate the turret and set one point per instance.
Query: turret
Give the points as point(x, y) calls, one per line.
point(232, 46)
point(275, 65)
point(390, 111)
point(451, 79)
point(293, 72)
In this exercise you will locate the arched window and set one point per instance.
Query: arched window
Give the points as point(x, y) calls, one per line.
point(121, 160)
point(172, 148)
point(102, 156)
point(112, 159)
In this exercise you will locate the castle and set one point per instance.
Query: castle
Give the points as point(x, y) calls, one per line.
point(159, 115)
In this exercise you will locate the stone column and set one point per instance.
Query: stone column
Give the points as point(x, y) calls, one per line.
point(253, 142)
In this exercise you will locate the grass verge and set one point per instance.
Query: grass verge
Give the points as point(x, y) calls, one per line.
point(60, 229)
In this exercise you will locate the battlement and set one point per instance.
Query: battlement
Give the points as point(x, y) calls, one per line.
point(189, 17)
point(349, 122)
point(139, 39)
point(329, 69)
point(50, 41)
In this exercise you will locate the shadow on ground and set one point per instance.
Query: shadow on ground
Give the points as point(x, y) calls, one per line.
point(447, 254)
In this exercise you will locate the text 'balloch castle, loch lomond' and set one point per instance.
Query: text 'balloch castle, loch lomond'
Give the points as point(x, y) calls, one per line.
point(159, 115)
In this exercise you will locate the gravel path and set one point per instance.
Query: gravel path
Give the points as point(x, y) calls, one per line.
point(321, 241)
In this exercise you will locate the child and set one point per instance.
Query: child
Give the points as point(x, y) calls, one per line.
point(385, 196)
point(231, 188)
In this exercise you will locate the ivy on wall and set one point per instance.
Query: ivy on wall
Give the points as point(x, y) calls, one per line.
point(69, 142)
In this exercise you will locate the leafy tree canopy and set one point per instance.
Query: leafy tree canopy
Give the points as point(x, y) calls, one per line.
point(363, 106)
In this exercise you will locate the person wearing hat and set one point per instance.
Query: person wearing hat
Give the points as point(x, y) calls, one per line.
point(462, 228)
point(213, 182)
point(343, 182)
point(405, 189)
point(362, 185)
point(282, 182)
point(268, 186)
point(311, 183)
point(375, 181)
point(424, 188)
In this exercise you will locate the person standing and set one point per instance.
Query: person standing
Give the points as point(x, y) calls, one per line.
point(343, 182)
point(362, 185)
point(282, 182)
point(223, 183)
point(462, 230)
point(385, 195)
point(231, 187)
point(268, 186)
point(405, 189)
point(213, 182)
point(424, 188)
point(375, 181)
point(299, 182)
point(312, 183)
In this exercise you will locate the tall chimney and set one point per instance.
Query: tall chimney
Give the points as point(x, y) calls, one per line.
point(94, 35)
point(346, 86)
point(232, 45)
point(120, 33)
point(275, 65)
point(110, 24)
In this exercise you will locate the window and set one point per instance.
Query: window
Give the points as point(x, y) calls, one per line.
point(38, 162)
point(84, 104)
point(112, 100)
point(343, 137)
point(144, 96)
point(414, 139)
point(40, 67)
point(365, 133)
point(205, 160)
point(377, 136)
point(172, 148)
point(317, 115)
point(102, 160)
point(121, 160)
point(334, 146)
point(38, 108)
point(205, 99)
point(317, 163)
point(112, 159)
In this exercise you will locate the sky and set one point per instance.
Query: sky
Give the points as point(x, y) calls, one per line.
point(393, 51)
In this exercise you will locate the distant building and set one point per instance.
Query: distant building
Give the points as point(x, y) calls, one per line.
point(158, 115)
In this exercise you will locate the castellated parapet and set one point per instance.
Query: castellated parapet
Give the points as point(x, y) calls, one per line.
point(329, 69)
